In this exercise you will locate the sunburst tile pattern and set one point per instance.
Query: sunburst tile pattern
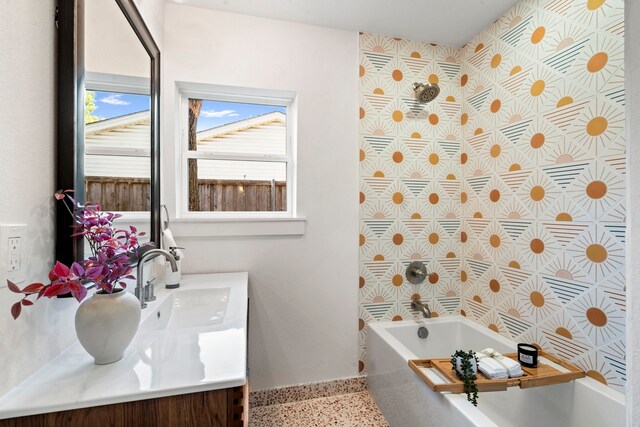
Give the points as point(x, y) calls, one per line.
point(542, 122)
point(409, 179)
point(510, 186)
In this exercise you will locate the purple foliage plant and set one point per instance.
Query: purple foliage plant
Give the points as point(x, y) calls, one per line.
point(113, 251)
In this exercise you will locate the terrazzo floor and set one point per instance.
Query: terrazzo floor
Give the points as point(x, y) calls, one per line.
point(345, 410)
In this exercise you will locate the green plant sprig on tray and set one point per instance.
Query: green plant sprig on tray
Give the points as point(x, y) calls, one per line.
point(468, 376)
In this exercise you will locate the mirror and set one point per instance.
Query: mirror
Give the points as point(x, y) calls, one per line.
point(108, 135)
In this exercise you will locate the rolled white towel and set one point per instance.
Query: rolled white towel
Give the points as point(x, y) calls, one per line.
point(494, 365)
point(168, 241)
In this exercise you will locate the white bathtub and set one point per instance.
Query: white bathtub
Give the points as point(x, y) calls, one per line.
point(406, 401)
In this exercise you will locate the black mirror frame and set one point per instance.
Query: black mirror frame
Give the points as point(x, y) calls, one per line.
point(70, 118)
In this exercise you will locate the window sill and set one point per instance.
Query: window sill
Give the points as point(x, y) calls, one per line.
point(234, 227)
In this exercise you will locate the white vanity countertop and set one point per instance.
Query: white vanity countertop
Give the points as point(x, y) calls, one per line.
point(197, 343)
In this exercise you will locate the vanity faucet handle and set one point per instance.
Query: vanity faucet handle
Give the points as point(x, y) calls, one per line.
point(149, 290)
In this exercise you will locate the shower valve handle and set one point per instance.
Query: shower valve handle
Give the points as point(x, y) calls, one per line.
point(416, 272)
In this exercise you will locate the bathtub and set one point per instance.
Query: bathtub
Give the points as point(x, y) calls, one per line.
point(406, 401)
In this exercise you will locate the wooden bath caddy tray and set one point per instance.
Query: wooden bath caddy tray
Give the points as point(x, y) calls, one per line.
point(533, 377)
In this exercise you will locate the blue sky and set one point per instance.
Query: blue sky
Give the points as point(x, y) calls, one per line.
point(111, 104)
point(213, 113)
point(218, 113)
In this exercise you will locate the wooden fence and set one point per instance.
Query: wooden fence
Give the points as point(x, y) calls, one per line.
point(244, 196)
point(132, 194)
point(118, 194)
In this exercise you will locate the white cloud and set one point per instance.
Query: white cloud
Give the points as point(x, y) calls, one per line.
point(217, 114)
point(114, 100)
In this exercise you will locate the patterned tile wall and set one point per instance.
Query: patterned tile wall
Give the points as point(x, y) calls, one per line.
point(510, 185)
point(543, 166)
point(409, 180)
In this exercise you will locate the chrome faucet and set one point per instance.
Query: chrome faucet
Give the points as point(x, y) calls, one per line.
point(418, 305)
point(141, 294)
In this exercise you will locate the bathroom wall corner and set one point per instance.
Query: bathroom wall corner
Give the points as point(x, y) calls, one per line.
point(632, 88)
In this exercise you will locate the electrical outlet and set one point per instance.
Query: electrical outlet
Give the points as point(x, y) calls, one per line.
point(15, 243)
point(13, 260)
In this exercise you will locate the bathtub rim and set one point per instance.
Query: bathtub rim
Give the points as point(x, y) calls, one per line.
point(382, 330)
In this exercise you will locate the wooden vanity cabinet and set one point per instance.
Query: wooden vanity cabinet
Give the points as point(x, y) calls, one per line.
point(215, 408)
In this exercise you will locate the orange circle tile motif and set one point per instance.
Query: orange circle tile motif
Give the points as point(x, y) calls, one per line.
point(537, 193)
point(397, 280)
point(597, 126)
point(397, 239)
point(596, 317)
point(596, 376)
point(537, 88)
point(537, 140)
point(596, 253)
point(594, 4)
point(496, 60)
point(494, 285)
point(596, 189)
point(538, 35)
point(536, 298)
point(597, 62)
point(537, 246)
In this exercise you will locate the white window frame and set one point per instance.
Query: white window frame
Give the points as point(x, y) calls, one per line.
point(242, 95)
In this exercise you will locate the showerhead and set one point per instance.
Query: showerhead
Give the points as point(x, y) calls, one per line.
point(426, 93)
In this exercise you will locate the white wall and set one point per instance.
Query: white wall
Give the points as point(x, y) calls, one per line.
point(303, 289)
point(27, 126)
point(111, 45)
point(152, 12)
point(632, 89)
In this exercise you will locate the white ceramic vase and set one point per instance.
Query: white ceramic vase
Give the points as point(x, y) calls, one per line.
point(106, 324)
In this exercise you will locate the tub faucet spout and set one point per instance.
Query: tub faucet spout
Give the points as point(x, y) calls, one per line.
point(418, 305)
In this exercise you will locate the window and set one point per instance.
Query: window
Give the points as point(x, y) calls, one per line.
point(117, 136)
point(237, 155)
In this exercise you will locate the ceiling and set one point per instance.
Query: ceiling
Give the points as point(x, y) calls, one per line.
point(448, 22)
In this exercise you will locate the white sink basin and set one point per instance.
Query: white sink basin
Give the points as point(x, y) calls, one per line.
point(188, 308)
